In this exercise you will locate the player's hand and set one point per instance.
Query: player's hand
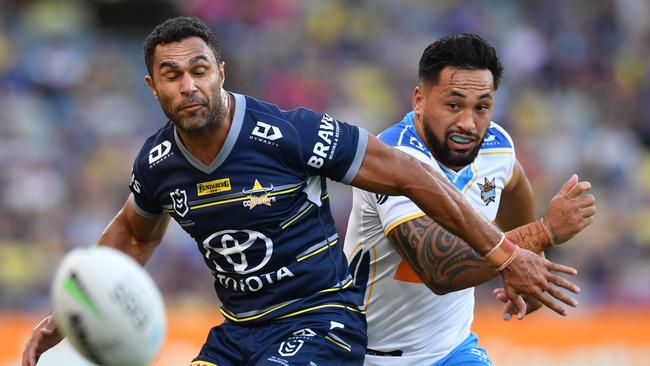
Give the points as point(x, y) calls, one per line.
point(531, 274)
point(44, 336)
point(570, 210)
point(509, 307)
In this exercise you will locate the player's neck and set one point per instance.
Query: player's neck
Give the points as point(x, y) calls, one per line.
point(206, 145)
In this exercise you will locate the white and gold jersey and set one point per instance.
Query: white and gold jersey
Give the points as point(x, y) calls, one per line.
point(405, 318)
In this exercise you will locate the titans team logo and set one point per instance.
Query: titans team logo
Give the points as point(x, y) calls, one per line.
point(179, 200)
point(488, 191)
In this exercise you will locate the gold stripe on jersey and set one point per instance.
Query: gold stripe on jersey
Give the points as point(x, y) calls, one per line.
point(371, 285)
point(339, 288)
point(203, 363)
point(334, 305)
point(354, 251)
point(302, 311)
point(495, 153)
point(468, 186)
point(300, 259)
point(291, 220)
point(301, 212)
point(347, 348)
point(245, 197)
point(403, 220)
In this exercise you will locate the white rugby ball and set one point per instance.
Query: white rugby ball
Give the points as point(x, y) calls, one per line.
point(108, 307)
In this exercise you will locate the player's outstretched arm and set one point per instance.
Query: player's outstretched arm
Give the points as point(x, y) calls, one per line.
point(390, 171)
point(129, 232)
point(133, 234)
point(446, 263)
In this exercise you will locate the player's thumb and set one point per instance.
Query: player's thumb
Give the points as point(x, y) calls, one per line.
point(566, 187)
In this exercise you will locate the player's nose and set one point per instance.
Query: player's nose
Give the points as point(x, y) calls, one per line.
point(188, 85)
point(466, 121)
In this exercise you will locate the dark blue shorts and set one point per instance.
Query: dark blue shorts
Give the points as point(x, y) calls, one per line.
point(328, 337)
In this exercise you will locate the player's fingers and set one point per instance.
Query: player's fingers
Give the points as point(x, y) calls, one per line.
point(29, 354)
point(570, 183)
point(564, 283)
point(588, 211)
point(520, 304)
point(553, 291)
point(556, 267)
point(508, 310)
point(549, 303)
point(577, 189)
point(500, 294)
point(587, 200)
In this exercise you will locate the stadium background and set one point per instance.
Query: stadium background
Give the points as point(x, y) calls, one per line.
point(74, 110)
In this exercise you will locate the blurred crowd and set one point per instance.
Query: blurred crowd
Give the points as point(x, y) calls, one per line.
point(74, 111)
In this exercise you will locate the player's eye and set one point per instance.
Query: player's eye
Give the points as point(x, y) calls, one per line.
point(453, 106)
point(171, 76)
point(482, 108)
point(200, 71)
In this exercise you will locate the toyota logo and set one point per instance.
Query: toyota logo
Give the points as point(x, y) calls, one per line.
point(238, 249)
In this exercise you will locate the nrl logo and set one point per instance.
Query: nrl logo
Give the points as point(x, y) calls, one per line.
point(258, 195)
point(179, 200)
point(488, 192)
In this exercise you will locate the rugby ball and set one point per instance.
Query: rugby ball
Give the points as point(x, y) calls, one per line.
point(108, 307)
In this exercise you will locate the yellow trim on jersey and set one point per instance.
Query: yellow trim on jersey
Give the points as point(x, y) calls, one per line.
point(244, 198)
point(317, 251)
point(338, 344)
point(354, 251)
point(203, 363)
point(467, 187)
point(495, 153)
point(347, 284)
point(298, 216)
point(319, 307)
point(403, 220)
point(371, 285)
point(251, 317)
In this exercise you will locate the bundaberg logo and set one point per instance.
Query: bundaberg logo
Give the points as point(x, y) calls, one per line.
point(213, 186)
point(488, 191)
point(258, 195)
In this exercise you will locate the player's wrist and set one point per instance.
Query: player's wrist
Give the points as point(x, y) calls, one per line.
point(546, 226)
point(534, 236)
point(502, 254)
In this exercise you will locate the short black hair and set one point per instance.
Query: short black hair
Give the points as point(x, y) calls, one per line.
point(176, 30)
point(464, 51)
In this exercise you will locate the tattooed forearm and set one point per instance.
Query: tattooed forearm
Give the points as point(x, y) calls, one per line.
point(530, 236)
point(443, 261)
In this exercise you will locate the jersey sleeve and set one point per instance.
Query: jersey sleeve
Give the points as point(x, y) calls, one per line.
point(141, 198)
point(328, 147)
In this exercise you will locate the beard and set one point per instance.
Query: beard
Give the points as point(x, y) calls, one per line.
point(443, 152)
point(201, 120)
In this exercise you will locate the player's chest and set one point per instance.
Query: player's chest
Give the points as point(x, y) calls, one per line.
point(482, 183)
point(230, 197)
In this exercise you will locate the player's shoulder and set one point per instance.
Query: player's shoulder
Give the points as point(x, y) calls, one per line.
point(497, 137)
point(270, 119)
point(404, 137)
point(156, 148)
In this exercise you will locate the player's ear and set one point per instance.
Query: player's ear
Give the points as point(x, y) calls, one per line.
point(149, 81)
point(417, 100)
point(222, 72)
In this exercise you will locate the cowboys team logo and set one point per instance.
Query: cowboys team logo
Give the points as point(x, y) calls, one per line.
point(179, 200)
point(238, 251)
point(258, 195)
point(488, 192)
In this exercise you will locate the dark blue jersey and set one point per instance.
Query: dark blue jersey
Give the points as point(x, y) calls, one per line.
point(260, 212)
